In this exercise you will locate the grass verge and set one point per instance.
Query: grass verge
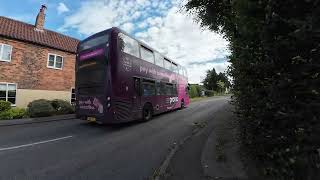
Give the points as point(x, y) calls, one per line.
point(206, 97)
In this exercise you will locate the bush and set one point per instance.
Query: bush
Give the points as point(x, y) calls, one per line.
point(209, 93)
point(62, 107)
point(14, 113)
point(4, 106)
point(193, 91)
point(40, 108)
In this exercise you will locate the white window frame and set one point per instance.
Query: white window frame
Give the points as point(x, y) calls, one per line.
point(54, 62)
point(1, 51)
point(7, 84)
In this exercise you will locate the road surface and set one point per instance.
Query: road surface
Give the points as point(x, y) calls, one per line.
point(75, 149)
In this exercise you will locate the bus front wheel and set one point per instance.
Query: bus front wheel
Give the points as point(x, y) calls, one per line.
point(147, 112)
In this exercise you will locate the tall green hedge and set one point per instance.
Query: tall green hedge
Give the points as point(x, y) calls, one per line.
point(194, 91)
point(275, 65)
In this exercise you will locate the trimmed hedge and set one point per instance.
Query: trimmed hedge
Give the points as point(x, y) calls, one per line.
point(40, 108)
point(37, 108)
point(44, 108)
point(62, 106)
point(14, 113)
point(4, 106)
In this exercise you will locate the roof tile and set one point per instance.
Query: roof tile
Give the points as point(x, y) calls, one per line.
point(27, 32)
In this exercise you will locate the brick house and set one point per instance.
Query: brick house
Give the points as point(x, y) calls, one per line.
point(35, 63)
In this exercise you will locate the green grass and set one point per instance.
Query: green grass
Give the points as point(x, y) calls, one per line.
point(198, 99)
point(206, 97)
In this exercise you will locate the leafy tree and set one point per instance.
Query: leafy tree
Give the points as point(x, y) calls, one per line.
point(212, 78)
point(221, 86)
point(275, 68)
point(224, 78)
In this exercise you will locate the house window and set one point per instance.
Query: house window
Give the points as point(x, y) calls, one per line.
point(55, 61)
point(73, 96)
point(8, 92)
point(5, 52)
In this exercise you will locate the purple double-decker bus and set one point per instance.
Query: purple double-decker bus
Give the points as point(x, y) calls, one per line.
point(120, 79)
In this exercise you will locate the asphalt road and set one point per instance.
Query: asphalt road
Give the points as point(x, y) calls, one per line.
point(75, 149)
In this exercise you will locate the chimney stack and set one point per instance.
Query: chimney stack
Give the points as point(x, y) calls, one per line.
point(41, 18)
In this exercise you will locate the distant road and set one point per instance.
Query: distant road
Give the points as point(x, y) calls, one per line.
point(75, 149)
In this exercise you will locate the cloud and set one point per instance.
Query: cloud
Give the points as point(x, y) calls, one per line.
point(197, 72)
point(162, 24)
point(28, 18)
point(128, 27)
point(62, 8)
point(215, 60)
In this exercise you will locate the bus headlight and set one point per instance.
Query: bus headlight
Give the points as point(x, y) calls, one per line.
point(108, 98)
point(108, 105)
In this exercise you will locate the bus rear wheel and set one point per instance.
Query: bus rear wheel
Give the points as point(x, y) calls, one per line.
point(182, 104)
point(147, 112)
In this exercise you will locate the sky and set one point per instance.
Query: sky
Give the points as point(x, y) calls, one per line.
point(162, 24)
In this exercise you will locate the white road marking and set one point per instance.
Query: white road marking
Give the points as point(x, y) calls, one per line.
point(36, 143)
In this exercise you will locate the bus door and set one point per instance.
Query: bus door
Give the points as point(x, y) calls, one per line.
point(158, 106)
point(136, 98)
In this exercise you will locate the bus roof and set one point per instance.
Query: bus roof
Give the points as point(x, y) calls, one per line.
point(116, 29)
point(142, 43)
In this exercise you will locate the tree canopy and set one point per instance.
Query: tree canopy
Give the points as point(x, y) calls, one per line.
point(216, 82)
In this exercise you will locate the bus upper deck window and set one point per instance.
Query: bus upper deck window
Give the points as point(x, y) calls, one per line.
point(146, 54)
point(128, 45)
point(158, 59)
point(167, 64)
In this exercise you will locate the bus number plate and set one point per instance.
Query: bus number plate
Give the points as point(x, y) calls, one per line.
point(91, 119)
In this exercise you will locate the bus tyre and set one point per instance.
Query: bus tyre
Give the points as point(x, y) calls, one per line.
point(147, 112)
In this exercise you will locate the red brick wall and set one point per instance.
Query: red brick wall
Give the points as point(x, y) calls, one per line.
point(28, 67)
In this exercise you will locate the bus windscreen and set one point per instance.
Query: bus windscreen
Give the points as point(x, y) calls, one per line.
point(93, 42)
point(91, 71)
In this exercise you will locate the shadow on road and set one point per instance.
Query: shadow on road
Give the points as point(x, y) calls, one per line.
point(125, 125)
